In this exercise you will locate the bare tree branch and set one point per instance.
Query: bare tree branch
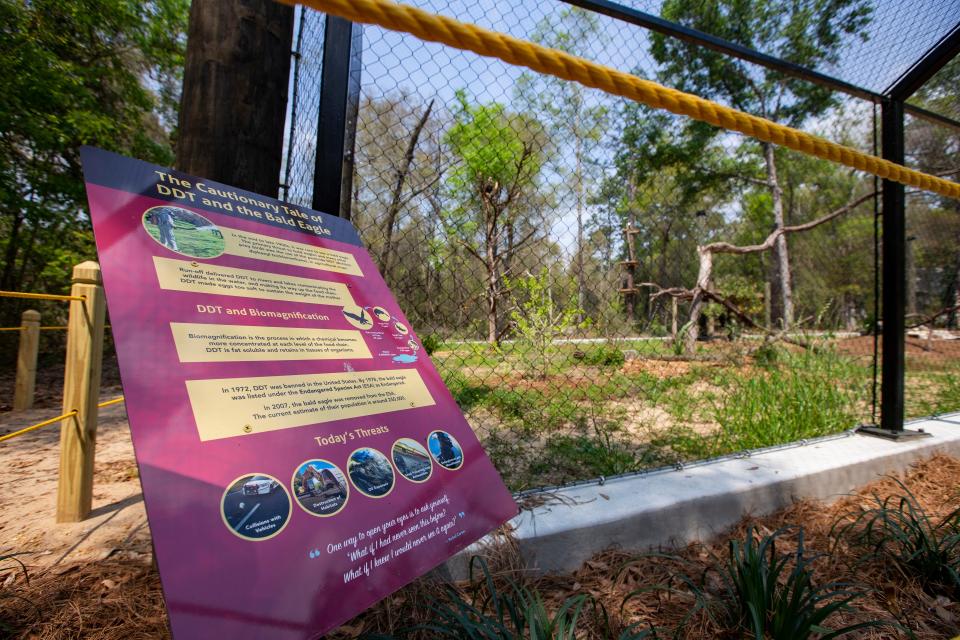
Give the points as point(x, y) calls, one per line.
point(766, 245)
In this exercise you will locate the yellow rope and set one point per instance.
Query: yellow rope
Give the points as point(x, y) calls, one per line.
point(110, 402)
point(38, 425)
point(69, 414)
point(61, 328)
point(41, 328)
point(434, 28)
point(37, 296)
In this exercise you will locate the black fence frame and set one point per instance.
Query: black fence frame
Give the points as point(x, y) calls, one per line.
point(337, 118)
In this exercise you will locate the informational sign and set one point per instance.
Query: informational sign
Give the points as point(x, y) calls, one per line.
point(299, 454)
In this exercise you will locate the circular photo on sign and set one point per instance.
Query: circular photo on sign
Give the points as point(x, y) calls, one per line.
point(358, 316)
point(413, 344)
point(412, 460)
point(320, 488)
point(381, 314)
point(185, 232)
point(401, 328)
point(370, 472)
point(445, 450)
point(255, 506)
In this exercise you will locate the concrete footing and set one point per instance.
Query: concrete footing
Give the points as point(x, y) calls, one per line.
point(673, 507)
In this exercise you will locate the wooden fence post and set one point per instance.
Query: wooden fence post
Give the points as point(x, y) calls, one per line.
point(27, 360)
point(81, 393)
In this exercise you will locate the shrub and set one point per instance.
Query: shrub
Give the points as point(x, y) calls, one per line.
point(604, 355)
point(898, 532)
point(514, 612)
point(756, 590)
point(539, 320)
point(431, 342)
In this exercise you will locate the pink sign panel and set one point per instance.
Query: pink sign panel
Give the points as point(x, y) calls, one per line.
point(300, 455)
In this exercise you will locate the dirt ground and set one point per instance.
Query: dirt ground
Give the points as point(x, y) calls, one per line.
point(29, 467)
point(920, 352)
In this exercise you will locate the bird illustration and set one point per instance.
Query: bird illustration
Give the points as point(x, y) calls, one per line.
point(362, 318)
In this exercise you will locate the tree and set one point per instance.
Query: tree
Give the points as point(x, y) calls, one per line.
point(98, 72)
point(576, 123)
point(805, 32)
point(672, 179)
point(235, 92)
point(500, 156)
point(539, 320)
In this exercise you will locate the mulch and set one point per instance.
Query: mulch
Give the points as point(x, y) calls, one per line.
point(117, 599)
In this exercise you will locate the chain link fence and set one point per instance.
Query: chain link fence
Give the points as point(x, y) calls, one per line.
point(932, 347)
point(547, 242)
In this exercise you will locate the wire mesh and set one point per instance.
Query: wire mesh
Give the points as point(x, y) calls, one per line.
point(932, 376)
point(546, 242)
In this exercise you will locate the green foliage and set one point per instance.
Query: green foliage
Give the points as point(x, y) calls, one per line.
point(604, 354)
point(98, 72)
point(538, 321)
point(494, 146)
point(805, 32)
point(202, 244)
point(515, 612)
point(757, 590)
point(806, 396)
point(678, 344)
point(431, 342)
point(900, 534)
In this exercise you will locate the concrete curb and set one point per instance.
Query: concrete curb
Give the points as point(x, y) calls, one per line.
point(672, 508)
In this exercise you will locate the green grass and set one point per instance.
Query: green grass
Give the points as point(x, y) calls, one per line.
point(199, 244)
point(594, 417)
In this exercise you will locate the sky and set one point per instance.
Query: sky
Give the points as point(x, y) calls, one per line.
point(900, 32)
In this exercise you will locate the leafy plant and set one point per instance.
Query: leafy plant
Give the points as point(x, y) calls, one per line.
point(803, 396)
point(678, 344)
point(515, 612)
point(604, 355)
point(899, 532)
point(760, 591)
point(431, 342)
point(539, 320)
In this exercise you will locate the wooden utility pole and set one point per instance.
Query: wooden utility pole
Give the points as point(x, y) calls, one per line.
point(27, 360)
point(81, 390)
point(234, 98)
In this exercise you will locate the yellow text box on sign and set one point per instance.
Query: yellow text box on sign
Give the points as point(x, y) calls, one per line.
point(254, 245)
point(228, 407)
point(237, 343)
point(183, 275)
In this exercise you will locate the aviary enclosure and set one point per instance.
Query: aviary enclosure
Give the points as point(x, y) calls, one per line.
point(551, 239)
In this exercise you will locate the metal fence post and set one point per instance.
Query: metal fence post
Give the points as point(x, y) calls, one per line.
point(27, 360)
point(337, 119)
point(81, 391)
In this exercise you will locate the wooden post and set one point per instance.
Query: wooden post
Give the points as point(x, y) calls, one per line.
point(81, 392)
point(673, 317)
point(27, 360)
point(767, 311)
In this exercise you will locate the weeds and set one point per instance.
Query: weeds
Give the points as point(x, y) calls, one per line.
point(899, 533)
